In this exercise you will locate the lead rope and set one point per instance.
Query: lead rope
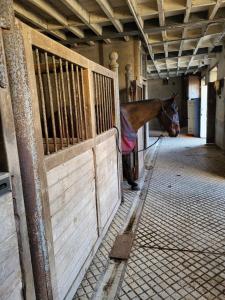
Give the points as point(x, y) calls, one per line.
point(119, 150)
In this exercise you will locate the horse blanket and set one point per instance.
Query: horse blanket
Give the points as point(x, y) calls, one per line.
point(128, 135)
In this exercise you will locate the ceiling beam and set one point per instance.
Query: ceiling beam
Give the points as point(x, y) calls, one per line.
point(82, 14)
point(132, 4)
point(182, 40)
point(108, 10)
point(197, 46)
point(218, 39)
point(51, 11)
point(184, 32)
point(213, 9)
point(196, 56)
point(150, 30)
point(20, 11)
point(162, 23)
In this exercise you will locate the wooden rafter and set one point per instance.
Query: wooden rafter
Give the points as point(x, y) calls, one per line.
point(213, 10)
point(197, 47)
point(184, 32)
point(162, 23)
point(37, 21)
point(140, 24)
point(106, 7)
point(172, 37)
point(51, 11)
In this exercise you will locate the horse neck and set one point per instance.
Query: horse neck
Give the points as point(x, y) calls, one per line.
point(138, 113)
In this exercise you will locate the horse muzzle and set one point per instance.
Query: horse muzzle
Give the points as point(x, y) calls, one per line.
point(174, 130)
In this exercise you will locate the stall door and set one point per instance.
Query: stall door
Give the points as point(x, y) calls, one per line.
point(203, 109)
point(211, 113)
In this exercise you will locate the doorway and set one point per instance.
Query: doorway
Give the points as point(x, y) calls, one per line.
point(203, 109)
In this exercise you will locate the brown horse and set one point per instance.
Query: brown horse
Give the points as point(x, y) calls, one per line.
point(134, 115)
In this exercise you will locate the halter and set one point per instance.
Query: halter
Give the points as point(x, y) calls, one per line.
point(166, 114)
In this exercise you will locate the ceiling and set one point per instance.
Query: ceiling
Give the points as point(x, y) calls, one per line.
point(180, 36)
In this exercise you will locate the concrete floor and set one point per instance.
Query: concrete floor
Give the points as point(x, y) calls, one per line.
point(179, 247)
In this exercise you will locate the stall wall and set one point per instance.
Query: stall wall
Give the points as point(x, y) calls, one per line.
point(129, 53)
point(220, 99)
point(10, 273)
point(71, 188)
point(74, 175)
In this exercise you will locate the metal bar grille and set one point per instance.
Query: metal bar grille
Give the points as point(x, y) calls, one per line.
point(104, 102)
point(60, 88)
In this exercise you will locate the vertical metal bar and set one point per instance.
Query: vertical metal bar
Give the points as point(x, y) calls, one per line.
point(42, 101)
point(83, 102)
point(51, 101)
point(57, 100)
point(64, 100)
point(103, 103)
point(100, 103)
point(70, 103)
point(113, 104)
point(96, 104)
point(75, 103)
point(61, 107)
point(109, 101)
point(111, 84)
point(79, 101)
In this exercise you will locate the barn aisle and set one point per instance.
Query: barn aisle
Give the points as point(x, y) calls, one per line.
point(179, 248)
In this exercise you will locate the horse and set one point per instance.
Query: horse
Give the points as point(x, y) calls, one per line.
point(134, 115)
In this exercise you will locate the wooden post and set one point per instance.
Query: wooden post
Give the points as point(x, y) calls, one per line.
point(128, 77)
point(10, 143)
point(19, 58)
point(114, 66)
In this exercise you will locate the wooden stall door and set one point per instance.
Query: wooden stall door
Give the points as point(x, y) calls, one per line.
point(73, 104)
point(211, 113)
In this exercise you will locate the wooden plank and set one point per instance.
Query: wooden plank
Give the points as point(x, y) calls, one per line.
point(122, 246)
point(106, 167)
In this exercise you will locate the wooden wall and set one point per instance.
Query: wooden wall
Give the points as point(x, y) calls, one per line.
point(83, 196)
point(71, 189)
point(10, 274)
point(107, 182)
point(76, 187)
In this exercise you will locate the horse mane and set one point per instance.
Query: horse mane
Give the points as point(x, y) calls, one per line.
point(143, 101)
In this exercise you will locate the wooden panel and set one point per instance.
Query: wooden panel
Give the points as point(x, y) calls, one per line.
point(73, 216)
point(10, 274)
point(107, 179)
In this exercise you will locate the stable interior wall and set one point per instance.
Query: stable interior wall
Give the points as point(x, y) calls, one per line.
point(129, 53)
point(220, 99)
point(159, 90)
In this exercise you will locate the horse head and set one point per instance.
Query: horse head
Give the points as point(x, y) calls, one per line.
point(169, 117)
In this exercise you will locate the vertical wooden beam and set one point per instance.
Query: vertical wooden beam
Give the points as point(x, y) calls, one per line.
point(114, 66)
point(128, 78)
point(23, 89)
point(10, 143)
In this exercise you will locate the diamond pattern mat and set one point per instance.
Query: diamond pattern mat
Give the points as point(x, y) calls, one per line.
point(158, 274)
point(179, 250)
point(185, 205)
